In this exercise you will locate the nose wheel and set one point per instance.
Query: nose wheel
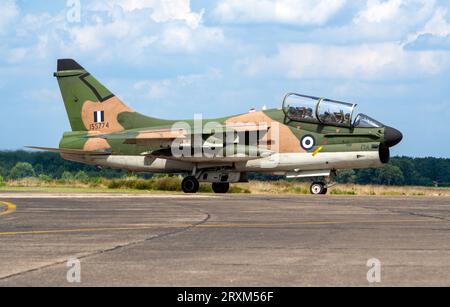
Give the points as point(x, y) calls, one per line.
point(318, 188)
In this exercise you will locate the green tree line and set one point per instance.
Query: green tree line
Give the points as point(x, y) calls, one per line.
point(400, 170)
point(21, 164)
point(403, 171)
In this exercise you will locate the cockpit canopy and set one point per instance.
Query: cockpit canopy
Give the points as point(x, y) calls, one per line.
point(324, 111)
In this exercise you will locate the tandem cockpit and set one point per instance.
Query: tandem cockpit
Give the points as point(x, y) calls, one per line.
point(303, 108)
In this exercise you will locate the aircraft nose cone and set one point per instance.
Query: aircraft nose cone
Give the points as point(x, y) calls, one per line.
point(392, 136)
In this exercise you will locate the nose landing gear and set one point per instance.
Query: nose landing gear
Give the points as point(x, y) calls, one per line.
point(321, 187)
point(318, 188)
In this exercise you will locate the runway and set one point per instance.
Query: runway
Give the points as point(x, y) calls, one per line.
point(229, 240)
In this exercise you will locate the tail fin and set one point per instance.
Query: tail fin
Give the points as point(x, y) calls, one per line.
point(90, 106)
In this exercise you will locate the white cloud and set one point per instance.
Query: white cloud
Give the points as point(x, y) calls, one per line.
point(127, 30)
point(131, 37)
point(96, 36)
point(177, 10)
point(181, 38)
point(16, 55)
point(135, 26)
point(157, 89)
point(435, 33)
point(162, 10)
point(8, 12)
point(299, 12)
point(378, 11)
point(369, 62)
point(438, 24)
point(390, 20)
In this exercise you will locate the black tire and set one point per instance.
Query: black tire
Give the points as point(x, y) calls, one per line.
point(325, 191)
point(190, 185)
point(221, 187)
point(318, 188)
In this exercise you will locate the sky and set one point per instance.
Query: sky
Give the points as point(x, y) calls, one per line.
point(174, 58)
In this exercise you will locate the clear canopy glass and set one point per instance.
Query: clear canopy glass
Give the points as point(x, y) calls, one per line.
point(335, 113)
point(301, 108)
point(312, 109)
point(364, 121)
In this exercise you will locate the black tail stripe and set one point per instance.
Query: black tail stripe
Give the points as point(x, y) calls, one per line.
point(93, 89)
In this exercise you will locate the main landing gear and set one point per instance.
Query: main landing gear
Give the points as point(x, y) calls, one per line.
point(191, 185)
point(221, 187)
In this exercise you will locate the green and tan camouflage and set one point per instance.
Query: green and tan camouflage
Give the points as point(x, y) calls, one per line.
point(308, 137)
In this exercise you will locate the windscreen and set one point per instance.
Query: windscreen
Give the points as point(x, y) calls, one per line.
point(364, 121)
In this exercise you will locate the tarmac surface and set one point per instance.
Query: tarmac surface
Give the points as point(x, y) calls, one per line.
point(230, 240)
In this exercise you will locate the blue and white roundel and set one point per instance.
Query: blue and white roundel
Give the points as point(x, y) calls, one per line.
point(308, 142)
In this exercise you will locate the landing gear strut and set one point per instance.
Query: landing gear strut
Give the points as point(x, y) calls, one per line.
point(321, 187)
point(220, 179)
point(190, 185)
point(221, 187)
point(318, 188)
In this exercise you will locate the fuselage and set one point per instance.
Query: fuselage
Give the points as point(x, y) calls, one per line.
point(341, 148)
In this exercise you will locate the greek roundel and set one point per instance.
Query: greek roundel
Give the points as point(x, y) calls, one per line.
point(307, 142)
point(99, 116)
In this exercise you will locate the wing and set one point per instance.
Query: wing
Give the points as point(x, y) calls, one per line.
point(211, 153)
point(223, 143)
point(163, 137)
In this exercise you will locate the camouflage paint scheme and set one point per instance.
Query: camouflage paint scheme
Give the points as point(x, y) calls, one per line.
point(124, 132)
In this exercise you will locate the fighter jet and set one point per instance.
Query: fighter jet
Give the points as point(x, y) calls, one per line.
point(308, 137)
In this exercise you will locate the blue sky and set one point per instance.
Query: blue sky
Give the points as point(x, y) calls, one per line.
point(174, 58)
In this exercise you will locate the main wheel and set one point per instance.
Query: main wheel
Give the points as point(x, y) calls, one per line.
point(318, 188)
point(190, 185)
point(221, 187)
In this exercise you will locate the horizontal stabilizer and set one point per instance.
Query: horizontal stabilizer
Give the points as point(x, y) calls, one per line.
point(71, 151)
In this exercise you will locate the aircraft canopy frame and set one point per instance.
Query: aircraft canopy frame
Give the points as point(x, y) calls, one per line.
point(310, 109)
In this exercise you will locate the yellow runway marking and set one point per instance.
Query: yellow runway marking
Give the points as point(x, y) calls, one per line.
point(10, 208)
point(231, 225)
